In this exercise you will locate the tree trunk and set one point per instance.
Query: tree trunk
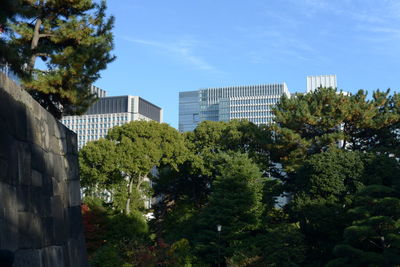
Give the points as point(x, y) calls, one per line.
point(140, 181)
point(34, 44)
point(128, 201)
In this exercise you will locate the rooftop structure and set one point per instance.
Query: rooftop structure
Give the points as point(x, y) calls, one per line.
point(314, 82)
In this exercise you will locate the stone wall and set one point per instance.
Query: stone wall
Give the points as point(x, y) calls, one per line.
point(40, 218)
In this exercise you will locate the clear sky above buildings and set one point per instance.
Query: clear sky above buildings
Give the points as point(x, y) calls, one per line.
point(164, 47)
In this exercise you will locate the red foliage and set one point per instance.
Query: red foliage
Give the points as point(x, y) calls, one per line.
point(156, 255)
point(94, 223)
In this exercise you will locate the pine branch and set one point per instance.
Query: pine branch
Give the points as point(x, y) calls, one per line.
point(375, 244)
point(46, 35)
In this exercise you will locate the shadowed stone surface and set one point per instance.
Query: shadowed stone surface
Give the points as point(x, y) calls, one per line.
point(40, 218)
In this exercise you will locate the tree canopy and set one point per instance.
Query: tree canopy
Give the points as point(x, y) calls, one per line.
point(311, 123)
point(72, 38)
point(124, 160)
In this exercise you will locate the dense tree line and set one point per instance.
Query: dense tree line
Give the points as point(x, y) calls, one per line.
point(319, 187)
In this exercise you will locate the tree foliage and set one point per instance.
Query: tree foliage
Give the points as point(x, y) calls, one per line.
point(235, 203)
point(122, 163)
point(72, 38)
point(184, 191)
point(311, 123)
point(373, 236)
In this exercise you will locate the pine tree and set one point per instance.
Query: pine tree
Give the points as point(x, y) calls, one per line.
point(72, 38)
point(373, 239)
point(311, 123)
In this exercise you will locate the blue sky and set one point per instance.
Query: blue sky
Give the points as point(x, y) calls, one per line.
point(164, 47)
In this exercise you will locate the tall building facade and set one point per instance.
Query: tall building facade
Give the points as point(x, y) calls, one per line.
point(251, 102)
point(313, 82)
point(108, 112)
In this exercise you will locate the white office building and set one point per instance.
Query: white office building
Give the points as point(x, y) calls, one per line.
point(108, 112)
point(314, 82)
point(251, 102)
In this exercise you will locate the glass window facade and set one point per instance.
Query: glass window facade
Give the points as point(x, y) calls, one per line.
point(251, 102)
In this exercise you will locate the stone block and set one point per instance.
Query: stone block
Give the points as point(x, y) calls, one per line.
point(39, 132)
point(38, 158)
point(37, 178)
point(75, 221)
point(28, 101)
point(13, 166)
point(39, 201)
point(14, 122)
point(28, 258)
point(47, 185)
point(48, 231)
point(29, 230)
point(8, 234)
point(61, 232)
point(77, 251)
point(8, 217)
point(24, 199)
point(6, 105)
point(45, 136)
point(37, 110)
point(59, 130)
point(7, 142)
point(72, 143)
point(74, 193)
point(49, 160)
point(57, 187)
point(9, 158)
point(61, 224)
point(58, 169)
point(57, 209)
point(51, 122)
point(3, 169)
point(24, 163)
point(53, 256)
point(72, 165)
point(56, 145)
point(21, 122)
point(8, 200)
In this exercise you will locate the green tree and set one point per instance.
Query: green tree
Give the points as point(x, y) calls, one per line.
point(98, 168)
point(324, 189)
point(122, 163)
point(373, 239)
point(311, 123)
point(73, 39)
point(107, 256)
point(235, 203)
point(185, 191)
point(279, 244)
point(321, 191)
point(140, 147)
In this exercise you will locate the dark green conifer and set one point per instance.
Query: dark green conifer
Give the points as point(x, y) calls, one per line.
point(373, 238)
point(72, 38)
